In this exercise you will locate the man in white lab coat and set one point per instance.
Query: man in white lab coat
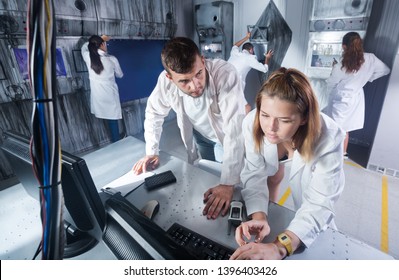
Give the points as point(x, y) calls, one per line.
point(208, 100)
point(246, 60)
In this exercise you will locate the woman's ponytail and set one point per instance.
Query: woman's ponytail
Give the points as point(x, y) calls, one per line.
point(94, 44)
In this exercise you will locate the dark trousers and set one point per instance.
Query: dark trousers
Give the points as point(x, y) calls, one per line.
point(205, 146)
point(114, 129)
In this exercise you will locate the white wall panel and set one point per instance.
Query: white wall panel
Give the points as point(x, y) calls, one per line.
point(385, 151)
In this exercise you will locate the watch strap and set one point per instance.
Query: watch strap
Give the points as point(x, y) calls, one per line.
point(285, 240)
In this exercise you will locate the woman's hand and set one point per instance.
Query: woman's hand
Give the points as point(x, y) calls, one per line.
point(257, 251)
point(105, 38)
point(258, 226)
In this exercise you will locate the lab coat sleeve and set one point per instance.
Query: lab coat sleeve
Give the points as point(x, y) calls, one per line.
point(323, 185)
point(332, 82)
point(335, 77)
point(234, 50)
point(255, 64)
point(379, 68)
point(232, 110)
point(117, 67)
point(255, 192)
point(157, 109)
point(85, 52)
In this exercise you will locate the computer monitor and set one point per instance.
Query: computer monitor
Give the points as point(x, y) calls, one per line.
point(124, 228)
point(84, 218)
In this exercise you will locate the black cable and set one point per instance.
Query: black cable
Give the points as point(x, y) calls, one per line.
point(133, 189)
point(38, 250)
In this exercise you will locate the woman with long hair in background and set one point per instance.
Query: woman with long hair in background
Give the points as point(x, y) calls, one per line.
point(103, 68)
point(345, 84)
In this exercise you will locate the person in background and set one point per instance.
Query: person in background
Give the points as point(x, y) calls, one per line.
point(246, 60)
point(103, 68)
point(287, 122)
point(346, 104)
point(207, 98)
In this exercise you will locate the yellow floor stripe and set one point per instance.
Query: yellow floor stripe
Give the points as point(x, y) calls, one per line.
point(353, 164)
point(285, 196)
point(384, 215)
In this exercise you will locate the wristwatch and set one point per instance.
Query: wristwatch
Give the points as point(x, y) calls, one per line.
point(286, 241)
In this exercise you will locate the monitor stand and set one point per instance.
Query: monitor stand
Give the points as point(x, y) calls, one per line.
point(77, 242)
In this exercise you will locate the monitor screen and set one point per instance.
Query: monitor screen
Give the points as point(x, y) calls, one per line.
point(84, 218)
point(21, 58)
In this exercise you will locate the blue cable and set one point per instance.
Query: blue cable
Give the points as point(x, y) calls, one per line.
point(43, 130)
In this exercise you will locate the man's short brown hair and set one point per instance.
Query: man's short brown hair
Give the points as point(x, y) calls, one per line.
point(179, 55)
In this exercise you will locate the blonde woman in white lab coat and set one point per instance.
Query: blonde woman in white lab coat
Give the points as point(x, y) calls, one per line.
point(287, 122)
point(345, 84)
point(104, 97)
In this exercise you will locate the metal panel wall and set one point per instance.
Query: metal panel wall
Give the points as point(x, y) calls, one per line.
point(76, 20)
point(214, 25)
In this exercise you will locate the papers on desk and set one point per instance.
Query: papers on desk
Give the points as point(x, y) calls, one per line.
point(127, 182)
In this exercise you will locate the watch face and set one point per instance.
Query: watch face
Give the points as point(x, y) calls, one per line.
point(283, 237)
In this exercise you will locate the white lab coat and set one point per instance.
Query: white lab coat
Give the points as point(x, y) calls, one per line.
point(226, 111)
point(315, 185)
point(346, 97)
point(104, 97)
point(244, 61)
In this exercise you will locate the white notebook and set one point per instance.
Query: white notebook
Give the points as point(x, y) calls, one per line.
point(127, 182)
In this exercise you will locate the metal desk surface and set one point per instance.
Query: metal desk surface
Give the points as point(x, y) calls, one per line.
point(182, 202)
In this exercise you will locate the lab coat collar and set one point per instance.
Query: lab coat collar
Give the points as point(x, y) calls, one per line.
point(210, 83)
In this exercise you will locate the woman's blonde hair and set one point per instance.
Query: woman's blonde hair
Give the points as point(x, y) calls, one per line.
point(293, 86)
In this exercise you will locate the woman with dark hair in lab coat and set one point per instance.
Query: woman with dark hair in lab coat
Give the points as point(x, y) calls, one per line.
point(345, 84)
point(104, 97)
point(287, 123)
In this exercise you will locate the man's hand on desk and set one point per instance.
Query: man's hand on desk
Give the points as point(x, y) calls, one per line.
point(217, 201)
point(146, 163)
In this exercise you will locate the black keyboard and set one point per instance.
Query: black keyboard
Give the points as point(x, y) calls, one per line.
point(198, 245)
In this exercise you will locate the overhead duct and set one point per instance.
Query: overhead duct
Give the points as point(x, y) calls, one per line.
point(137, 19)
point(75, 18)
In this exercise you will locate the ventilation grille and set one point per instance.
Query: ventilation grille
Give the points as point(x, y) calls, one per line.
point(383, 170)
point(122, 244)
